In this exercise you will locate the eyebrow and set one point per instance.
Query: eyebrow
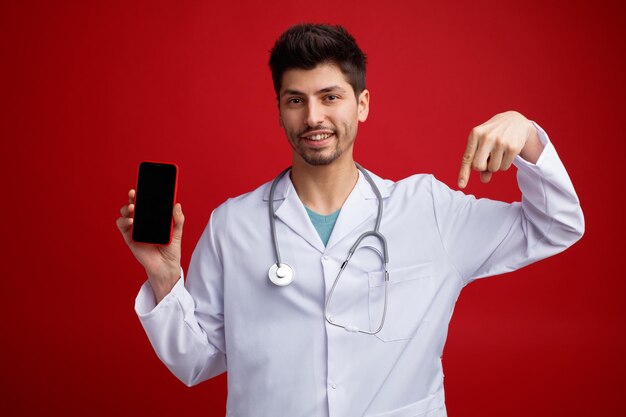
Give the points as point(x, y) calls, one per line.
point(322, 91)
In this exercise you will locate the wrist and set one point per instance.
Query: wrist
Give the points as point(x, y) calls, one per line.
point(533, 147)
point(162, 284)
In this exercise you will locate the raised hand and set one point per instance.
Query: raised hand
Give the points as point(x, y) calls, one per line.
point(493, 146)
point(162, 263)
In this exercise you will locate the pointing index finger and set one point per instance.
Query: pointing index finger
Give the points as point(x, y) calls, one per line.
point(468, 158)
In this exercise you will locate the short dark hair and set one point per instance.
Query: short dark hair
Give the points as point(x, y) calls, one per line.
point(305, 46)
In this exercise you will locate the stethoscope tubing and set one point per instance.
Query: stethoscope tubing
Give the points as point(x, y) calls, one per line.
point(282, 274)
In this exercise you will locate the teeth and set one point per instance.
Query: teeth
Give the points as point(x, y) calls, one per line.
point(320, 137)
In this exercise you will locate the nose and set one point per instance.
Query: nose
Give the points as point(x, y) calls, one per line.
point(314, 115)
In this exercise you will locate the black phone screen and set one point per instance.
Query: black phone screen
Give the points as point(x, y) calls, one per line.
point(154, 202)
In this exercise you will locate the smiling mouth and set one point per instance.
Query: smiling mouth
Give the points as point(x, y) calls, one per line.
point(319, 137)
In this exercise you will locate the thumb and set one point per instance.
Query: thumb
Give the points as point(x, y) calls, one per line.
point(179, 220)
point(485, 176)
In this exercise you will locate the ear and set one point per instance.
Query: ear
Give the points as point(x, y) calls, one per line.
point(280, 118)
point(363, 104)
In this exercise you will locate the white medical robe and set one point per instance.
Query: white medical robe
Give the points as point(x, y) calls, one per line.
point(283, 358)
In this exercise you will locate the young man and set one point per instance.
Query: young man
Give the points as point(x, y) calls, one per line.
point(341, 340)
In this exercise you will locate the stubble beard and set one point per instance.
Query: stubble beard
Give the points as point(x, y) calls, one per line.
point(318, 157)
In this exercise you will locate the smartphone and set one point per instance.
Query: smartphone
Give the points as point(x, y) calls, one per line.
point(155, 197)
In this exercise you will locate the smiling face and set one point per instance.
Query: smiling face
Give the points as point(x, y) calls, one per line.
point(320, 114)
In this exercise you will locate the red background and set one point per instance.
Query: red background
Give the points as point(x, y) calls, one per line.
point(91, 88)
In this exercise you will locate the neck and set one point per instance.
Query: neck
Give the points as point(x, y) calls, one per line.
point(324, 188)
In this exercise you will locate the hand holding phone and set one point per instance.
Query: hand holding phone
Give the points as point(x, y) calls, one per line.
point(161, 261)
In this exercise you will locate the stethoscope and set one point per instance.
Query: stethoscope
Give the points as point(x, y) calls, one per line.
point(282, 274)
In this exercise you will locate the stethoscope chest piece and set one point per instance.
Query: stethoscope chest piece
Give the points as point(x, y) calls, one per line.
point(281, 275)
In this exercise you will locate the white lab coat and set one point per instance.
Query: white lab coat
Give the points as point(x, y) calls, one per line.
point(283, 358)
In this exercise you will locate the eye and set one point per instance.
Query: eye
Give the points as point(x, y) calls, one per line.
point(294, 100)
point(332, 97)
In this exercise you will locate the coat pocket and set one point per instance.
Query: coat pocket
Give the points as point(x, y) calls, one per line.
point(409, 294)
point(431, 406)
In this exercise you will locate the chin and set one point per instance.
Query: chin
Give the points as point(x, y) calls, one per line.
point(319, 159)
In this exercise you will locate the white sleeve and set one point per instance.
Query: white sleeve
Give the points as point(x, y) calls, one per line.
point(188, 339)
point(484, 237)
